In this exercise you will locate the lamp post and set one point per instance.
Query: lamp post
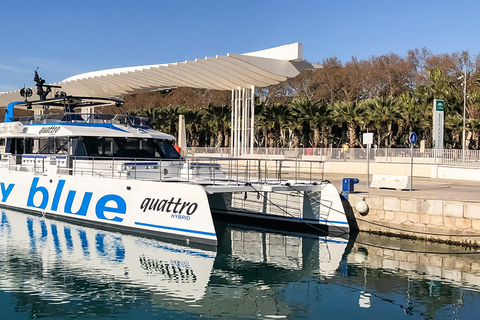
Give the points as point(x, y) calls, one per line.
point(464, 110)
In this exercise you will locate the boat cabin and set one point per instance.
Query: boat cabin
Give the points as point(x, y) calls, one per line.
point(83, 134)
point(79, 140)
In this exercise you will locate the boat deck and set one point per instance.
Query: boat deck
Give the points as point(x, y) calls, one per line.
point(271, 175)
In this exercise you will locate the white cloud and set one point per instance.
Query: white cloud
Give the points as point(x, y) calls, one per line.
point(41, 63)
point(11, 68)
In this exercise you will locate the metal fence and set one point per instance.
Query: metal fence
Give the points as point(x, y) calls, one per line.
point(452, 157)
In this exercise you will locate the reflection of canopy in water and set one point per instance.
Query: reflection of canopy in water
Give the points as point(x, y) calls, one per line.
point(240, 73)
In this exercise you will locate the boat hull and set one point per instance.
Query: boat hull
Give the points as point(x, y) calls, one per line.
point(314, 210)
point(171, 210)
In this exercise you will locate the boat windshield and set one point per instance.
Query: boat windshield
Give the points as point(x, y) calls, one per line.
point(122, 147)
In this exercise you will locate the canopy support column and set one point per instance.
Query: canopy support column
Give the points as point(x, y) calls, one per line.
point(243, 116)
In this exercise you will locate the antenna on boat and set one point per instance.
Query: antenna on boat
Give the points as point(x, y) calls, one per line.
point(40, 84)
point(120, 106)
point(26, 93)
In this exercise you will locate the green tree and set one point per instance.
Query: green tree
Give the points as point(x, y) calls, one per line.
point(439, 87)
point(454, 123)
point(312, 114)
point(153, 114)
point(408, 109)
point(193, 125)
point(348, 113)
point(168, 121)
point(384, 112)
point(218, 118)
point(275, 118)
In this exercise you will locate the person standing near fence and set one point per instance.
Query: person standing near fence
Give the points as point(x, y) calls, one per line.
point(345, 151)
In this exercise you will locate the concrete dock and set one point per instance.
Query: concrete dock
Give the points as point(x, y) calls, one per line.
point(443, 205)
point(437, 210)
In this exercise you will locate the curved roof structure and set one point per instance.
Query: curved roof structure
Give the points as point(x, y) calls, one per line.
point(230, 72)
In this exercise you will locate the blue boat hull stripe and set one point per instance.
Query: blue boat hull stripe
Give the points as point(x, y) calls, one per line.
point(176, 229)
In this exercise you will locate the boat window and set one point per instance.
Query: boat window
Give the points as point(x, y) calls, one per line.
point(78, 147)
point(14, 146)
point(168, 150)
point(8, 146)
point(29, 145)
point(93, 145)
point(101, 146)
point(129, 148)
point(61, 145)
point(47, 146)
point(72, 117)
point(37, 146)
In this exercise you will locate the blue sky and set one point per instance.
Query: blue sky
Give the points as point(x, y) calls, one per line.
point(64, 37)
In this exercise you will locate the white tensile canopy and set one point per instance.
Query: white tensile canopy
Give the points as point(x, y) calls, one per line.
point(240, 73)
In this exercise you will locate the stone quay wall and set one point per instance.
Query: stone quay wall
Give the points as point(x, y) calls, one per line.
point(456, 222)
point(417, 260)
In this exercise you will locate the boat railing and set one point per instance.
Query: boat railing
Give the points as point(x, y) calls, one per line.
point(84, 118)
point(211, 171)
point(266, 171)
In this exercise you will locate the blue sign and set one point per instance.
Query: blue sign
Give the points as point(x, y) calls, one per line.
point(413, 138)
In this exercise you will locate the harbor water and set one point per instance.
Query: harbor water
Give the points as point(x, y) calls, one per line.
point(56, 270)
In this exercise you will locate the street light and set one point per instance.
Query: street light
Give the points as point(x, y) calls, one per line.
point(464, 76)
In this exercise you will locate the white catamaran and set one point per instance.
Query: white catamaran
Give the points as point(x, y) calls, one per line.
point(115, 172)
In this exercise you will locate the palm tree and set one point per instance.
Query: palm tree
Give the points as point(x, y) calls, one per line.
point(168, 120)
point(193, 124)
point(473, 116)
point(425, 121)
point(218, 118)
point(455, 124)
point(348, 113)
point(384, 112)
point(275, 118)
point(474, 125)
point(261, 130)
point(153, 114)
point(440, 87)
point(408, 109)
point(311, 114)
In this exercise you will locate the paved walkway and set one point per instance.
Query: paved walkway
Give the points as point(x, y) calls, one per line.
point(422, 188)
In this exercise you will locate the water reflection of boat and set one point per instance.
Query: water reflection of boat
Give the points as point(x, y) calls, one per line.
point(63, 263)
point(54, 247)
point(322, 255)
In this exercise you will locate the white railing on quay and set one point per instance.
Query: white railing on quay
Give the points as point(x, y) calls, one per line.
point(451, 157)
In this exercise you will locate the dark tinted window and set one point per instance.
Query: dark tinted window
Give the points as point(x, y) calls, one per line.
point(129, 148)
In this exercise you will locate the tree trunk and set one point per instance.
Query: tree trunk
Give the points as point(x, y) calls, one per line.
point(220, 138)
point(296, 138)
point(271, 140)
point(227, 138)
point(316, 137)
point(352, 126)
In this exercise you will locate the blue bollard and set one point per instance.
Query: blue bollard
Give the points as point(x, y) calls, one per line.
point(348, 185)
